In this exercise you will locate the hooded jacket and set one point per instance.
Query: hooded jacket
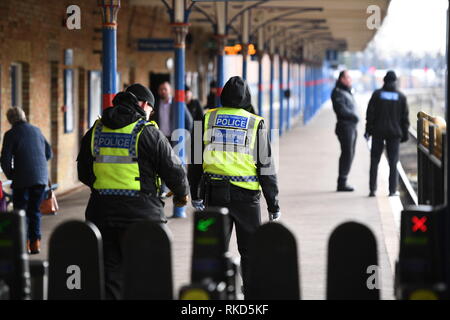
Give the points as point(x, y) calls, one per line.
point(236, 94)
point(155, 157)
point(387, 114)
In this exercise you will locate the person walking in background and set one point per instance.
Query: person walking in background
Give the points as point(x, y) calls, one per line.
point(211, 99)
point(193, 105)
point(347, 118)
point(24, 157)
point(387, 122)
point(165, 114)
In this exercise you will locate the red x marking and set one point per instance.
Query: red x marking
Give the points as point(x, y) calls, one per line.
point(419, 224)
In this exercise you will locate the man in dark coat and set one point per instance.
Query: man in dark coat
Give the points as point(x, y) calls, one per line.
point(193, 105)
point(26, 147)
point(347, 118)
point(387, 121)
point(112, 212)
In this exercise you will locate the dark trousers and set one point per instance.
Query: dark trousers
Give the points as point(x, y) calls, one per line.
point(29, 199)
point(347, 138)
point(392, 150)
point(244, 214)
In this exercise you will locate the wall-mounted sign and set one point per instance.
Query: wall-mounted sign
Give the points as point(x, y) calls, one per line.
point(155, 44)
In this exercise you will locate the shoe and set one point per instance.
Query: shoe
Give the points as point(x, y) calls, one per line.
point(394, 194)
point(35, 246)
point(345, 188)
point(372, 194)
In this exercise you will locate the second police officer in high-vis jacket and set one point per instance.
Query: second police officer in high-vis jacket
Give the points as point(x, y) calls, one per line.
point(122, 159)
point(236, 164)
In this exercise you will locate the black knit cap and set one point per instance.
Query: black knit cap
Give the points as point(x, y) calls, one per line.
point(390, 76)
point(142, 93)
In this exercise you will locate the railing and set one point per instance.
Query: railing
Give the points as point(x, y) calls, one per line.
point(431, 135)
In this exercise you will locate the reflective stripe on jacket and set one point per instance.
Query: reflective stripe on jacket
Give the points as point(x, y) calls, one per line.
point(115, 153)
point(230, 139)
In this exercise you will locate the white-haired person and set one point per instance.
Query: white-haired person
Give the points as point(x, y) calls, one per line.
point(24, 157)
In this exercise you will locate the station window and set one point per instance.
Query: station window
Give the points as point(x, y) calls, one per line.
point(68, 100)
point(95, 96)
point(16, 84)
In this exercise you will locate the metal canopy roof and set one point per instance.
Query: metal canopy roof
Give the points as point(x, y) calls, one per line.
point(314, 25)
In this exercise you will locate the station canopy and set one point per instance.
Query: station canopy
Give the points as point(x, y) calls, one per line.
point(322, 24)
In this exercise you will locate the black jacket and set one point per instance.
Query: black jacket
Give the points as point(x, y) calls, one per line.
point(263, 155)
point(195, 109)
point(25, 145)
point(344, 106)
point(155, 157)
point(387, 113)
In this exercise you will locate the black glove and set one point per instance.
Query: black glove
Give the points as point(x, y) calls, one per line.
point(404, 138)
point(366, 135)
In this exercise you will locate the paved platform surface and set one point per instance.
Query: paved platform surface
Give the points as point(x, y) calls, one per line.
point(311, 208)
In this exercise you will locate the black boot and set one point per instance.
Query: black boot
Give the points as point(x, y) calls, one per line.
point(343, 186)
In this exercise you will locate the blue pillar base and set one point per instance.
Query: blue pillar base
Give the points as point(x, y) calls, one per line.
point(179, 212)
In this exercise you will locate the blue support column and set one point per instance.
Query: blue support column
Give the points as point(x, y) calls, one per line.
point(221, 40)
point(110, 8)
point(180, 30)
point(288, 103)
point(272, 76)
point(260, 85)
point(244, 61)
point(281, 119)
point(307, 94)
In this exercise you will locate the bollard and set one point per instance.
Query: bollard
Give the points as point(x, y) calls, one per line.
point(14, 264)
point(352, 272)
point(273, 265)
point(147, 260)
point(76, 262)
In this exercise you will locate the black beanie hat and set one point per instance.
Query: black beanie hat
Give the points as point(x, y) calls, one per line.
point(235, 93)
point(142, 93)
point(390, 76)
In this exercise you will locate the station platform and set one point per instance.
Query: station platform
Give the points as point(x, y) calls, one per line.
point(311, 207)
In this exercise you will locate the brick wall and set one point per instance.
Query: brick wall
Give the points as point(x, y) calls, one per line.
point(33, 33)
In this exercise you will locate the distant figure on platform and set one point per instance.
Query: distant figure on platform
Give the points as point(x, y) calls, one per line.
point(165, 114)
point(211, 99)
point(387, 121)
point(347, 118)
point(24, 159)
point(193, 105)
point(122, 158)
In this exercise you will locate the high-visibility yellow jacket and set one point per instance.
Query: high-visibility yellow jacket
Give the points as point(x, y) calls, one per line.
point(229, 142)
point(115, 153)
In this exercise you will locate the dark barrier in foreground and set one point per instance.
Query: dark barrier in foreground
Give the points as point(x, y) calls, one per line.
point(214, 275)
point(14, 267)
point(147, 262)
point(353, 272)
point(419, 273)
point(76, 262)
point(273, 265)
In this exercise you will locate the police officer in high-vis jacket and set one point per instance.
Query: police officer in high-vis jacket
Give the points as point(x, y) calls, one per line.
point(237, 163)
point(123, 158)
